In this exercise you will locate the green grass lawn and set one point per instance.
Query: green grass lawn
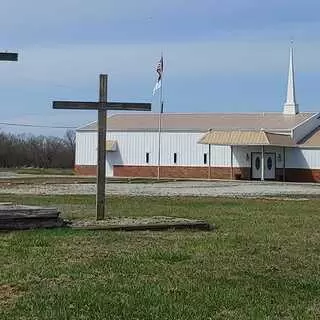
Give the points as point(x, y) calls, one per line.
point(262, 262)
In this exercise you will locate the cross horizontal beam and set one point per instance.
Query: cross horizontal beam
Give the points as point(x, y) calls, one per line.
point(80, 105)
point(128, 106)
point(8, 56)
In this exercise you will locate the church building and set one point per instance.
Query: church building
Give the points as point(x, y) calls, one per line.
point(283, 146)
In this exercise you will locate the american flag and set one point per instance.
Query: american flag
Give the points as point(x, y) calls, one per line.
point(159, 79)
point(160, 68)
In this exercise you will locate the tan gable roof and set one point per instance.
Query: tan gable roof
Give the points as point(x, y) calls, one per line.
point(201, 121)
point(312, 140)
point(283, 140)
point(246, 138)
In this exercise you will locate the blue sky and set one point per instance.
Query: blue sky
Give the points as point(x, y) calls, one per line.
point(220, 55)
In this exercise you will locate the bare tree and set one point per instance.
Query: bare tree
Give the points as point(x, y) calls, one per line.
point(70, 138)
point(37, 151)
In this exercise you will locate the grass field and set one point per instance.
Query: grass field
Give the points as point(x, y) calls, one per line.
point(262, 262)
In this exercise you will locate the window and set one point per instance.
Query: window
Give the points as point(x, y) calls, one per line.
point(269, 163)
point(147, 157)
point(205, 158)
point(258, 163)
point(174, 158)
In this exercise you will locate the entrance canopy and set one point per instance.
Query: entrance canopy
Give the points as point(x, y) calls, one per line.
point(111, 145)
point(262, 163)
point(246, 138)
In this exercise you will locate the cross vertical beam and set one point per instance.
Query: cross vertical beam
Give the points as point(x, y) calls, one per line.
point(101, 156)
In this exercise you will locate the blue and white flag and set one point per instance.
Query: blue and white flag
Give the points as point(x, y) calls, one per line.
point(159, 79)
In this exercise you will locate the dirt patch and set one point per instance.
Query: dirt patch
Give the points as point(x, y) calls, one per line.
point(280, 198)
point(9, 293)
point(130, 220)
point(155, 223)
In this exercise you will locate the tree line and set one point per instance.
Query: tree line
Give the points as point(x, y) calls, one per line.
point(20, 150)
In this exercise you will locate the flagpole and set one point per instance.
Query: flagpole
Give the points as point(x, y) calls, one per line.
point(160, 123)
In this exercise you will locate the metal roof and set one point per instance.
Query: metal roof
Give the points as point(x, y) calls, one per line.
point(312, 140)
point(246, 138)
point(201, 121)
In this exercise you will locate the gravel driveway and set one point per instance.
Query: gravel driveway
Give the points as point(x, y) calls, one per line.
point(190, 188)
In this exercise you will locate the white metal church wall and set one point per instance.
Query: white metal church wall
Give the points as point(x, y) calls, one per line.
point(133, 146)
point(299, 158)
point(303, 158)
point(220, 156)
point(242, 155)
point(86, 144)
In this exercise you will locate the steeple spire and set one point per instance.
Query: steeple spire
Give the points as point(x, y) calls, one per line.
point(291, 107)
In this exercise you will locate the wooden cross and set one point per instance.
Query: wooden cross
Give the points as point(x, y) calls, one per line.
point(102, 106)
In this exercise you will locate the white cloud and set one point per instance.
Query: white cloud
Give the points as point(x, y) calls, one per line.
point(79, 65)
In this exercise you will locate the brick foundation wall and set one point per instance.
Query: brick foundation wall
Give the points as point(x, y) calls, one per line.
point(303, 175)
point(85, 170)
point(181, 172)
point(294, 175)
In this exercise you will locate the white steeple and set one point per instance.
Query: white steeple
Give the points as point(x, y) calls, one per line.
point(291, 107)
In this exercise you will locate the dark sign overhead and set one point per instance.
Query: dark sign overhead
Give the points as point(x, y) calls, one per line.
point(8, 56)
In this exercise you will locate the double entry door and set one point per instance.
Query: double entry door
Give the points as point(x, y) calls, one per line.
point(269, 165)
